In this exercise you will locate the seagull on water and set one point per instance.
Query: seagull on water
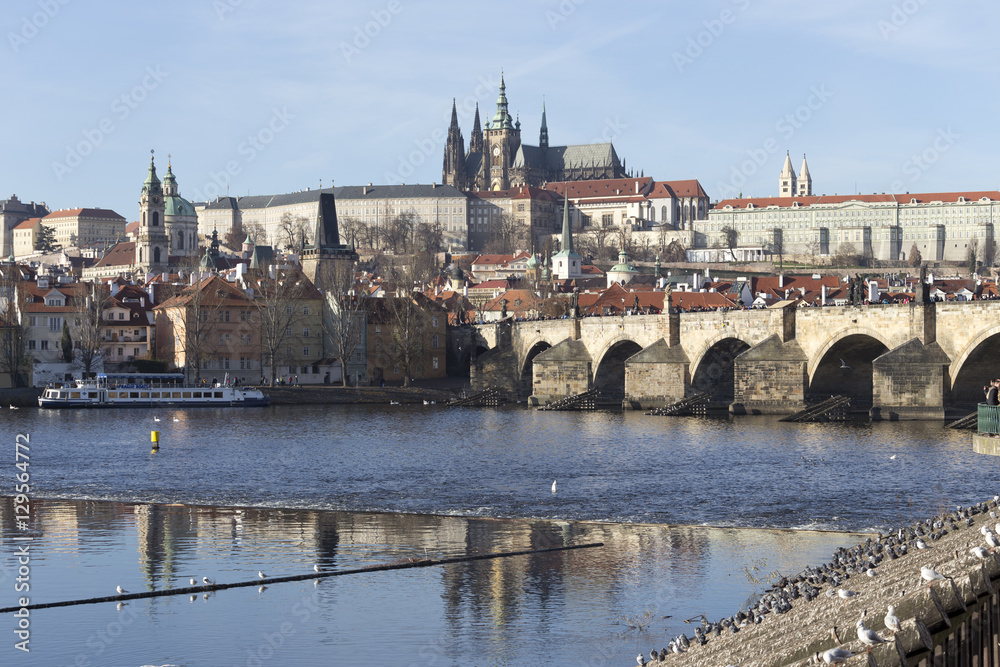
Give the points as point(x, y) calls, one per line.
point(260, 573)
point(207, 581)
point(176, 419)
point(156, 419)
point(194, 582)
point(891, 620)
point(553, 486)
point(122, 591)
point(892, 458)
point(834, 656)
point(13, 407)
point(866, 635)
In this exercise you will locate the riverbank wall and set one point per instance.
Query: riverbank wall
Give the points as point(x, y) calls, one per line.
point(313, 394)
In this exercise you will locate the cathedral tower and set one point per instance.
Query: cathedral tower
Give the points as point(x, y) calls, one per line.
point(543, 133)
point(151, 245)
point(503, 139)
point(453, 170)
point(786, 181)
point(805, 180)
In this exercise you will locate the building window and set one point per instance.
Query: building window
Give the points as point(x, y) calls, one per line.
point(288, 310)
point(225, 363)
point(434, 321)
point(55, 323)
point(305, 351)
point(434, 362)
point(305, 310)
point(288, 331)
point(434, 340)
point(32, 321)
point(305, 332)
point(31, 345)
point(121, 316)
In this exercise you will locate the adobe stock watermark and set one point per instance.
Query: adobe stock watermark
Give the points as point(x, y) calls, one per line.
point(704, 39)
point(562, 12)
point(122, 107)
point(363, 35)
point(32, 24)
point(899, 17)
point(612, 130)
point(428, 146)
point(254, 144)
point(919, 163)
point(786, 126)
point(223, 7)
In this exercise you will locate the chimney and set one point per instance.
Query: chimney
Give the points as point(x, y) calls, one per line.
point(637, 187)
point(113, 286)
point(781, 280)
point(822, 295)
point(142, 301)
point(165, 277)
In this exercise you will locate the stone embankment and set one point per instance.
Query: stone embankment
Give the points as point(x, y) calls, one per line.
point(954, 621)
point(324, 394)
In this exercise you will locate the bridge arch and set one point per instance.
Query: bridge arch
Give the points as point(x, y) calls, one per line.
point(846, 367)
point(714, 371)
point(974, 367)
point(536, 347)
point(609, 368)
point(836, 337)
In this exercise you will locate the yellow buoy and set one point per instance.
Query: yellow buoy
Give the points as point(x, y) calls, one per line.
point(154, 437)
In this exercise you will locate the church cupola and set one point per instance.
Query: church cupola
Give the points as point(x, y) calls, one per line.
point(169, 182)
point(502, 120)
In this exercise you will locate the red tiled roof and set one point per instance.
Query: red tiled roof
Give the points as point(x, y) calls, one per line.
point(815, 200)
point(122, 254)
point(611, 187)
point(689, 188)
point(83, 213)
point(28, 224)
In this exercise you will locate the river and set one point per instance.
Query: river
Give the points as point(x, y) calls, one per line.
point(694, 513)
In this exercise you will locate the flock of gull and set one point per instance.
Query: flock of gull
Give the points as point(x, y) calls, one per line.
point(861, 560)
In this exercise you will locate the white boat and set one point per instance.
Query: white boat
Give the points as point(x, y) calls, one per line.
point(144, 391)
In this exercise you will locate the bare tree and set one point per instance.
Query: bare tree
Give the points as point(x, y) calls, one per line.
point(407, 322)
point(293, 231)
point(195, 328)
point(14, 333)
point(507, 235)
point(778, 245)
point(972, 255)
point(278, 296)
point(344, 312)
point(88, 319)
point(847, 255)
point(731, 238)
point(430, 237)
point(397, 233)
point(989, 254)
point(351, 230)
point(915, 257)
point(675, 253)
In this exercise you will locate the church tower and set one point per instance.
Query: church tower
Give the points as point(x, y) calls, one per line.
point(805, 180)
point(567, 264)
point(180, 222)
point(151, 245)
point(543, 133)
point(453, 171)
point(786, 181)
point(502, 141)
point(476, 140)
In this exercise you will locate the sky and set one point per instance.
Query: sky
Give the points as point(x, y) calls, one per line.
point(258, 97)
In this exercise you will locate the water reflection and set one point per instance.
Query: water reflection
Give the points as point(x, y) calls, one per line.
point(510, 610)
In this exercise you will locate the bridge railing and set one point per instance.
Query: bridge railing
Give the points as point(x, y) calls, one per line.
point(989, 419)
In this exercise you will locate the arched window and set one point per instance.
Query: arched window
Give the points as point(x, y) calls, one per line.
point(140, 255)
point(180, 240)
point(156, 254)
point(156, 219)
point(663, 214)
point(143, 217)
point(652, 214)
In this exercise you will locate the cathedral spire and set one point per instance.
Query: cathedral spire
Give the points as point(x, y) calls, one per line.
point(476, 140)
point(566, 240)
point(786, 181)
point(453, 167)
point(502, 119)
point(805, 180)
point(543, 133)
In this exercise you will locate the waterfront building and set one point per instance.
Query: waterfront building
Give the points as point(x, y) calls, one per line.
point(51, 303)
point(406, 331)
point(128, 325)
point(497, 160)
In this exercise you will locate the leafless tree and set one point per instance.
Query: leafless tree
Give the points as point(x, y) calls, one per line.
point(351, 230)
point(87, 322)
point(344, 316)
point(430, 237)
point(731, 238)
point(778, 245)
point(847, 255)
point(915, 257)
point(397, 233)
point(293, 231)
point(507, 235)
point(196, 325)
point(675, 253)
point(989, 254)
point(14, 333)
point(278, 297)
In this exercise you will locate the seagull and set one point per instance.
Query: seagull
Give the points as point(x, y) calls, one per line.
point(845, 594)
point(553, 486)
point(640, 659)
point(156, 419)
point(930, 575)
point(992, 539)
point(176, 419)
point(866, 635)
point(207, 581)
point(834, 656)
point(122, 591)
point(844, 366)
point(316, 567)
point(13, 407)
point(194, 582)
point(892, 458)
point(979, 552)
point(920, 544)
point(260, 573)
point(891, 620)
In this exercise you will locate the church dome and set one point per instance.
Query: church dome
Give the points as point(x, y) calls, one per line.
point(532, 262)
point(177, 206)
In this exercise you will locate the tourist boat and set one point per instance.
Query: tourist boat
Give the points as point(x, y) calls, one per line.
point(128, 390)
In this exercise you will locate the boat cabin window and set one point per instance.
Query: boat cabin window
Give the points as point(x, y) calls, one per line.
point(218, 394)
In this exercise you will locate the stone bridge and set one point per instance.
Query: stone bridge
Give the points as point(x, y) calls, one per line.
point(903, 361)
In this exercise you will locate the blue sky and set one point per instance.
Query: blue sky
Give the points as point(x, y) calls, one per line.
point(274, 97)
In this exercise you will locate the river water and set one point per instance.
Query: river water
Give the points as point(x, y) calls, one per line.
point(693, 514)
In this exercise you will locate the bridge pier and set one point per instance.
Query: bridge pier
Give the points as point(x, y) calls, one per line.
point(771, 379)
point(561, 371)
point(910, 382)
point(656, 377)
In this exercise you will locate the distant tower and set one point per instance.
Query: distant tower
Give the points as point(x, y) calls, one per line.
point(786, 181)
point(502, 141)
point(151, 244)
point(476, 140)
point(543, 133)
point(805, 180)
point(180, 222)
point(567, 264)
point(453, 170)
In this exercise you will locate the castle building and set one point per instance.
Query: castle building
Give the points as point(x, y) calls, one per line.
point(13, 212)
point(497, 160)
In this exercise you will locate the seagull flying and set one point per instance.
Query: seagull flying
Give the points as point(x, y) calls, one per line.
point(844, 366)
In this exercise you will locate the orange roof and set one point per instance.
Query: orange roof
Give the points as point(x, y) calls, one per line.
point(918, 197)
point(28, 224)
point(688, 188)
point(610, 187)
point(84, 213)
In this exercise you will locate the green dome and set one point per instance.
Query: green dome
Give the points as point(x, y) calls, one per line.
point(175, 205)
point(533, 262)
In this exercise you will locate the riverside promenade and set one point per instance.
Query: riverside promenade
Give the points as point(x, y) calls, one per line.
point(954, 621)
